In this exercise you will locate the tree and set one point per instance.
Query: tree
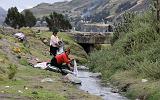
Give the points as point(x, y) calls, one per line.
point(30, 19)
point(55, 20)
point(14, 18)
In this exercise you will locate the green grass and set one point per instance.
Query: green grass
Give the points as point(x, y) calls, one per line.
point(76, 50)
point(17, 74)
point(134, 56)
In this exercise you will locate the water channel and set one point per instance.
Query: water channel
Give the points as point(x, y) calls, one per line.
point(93, 86)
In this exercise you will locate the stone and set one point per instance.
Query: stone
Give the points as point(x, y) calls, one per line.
point(96, 75)
point(125, 87)
point(144, 80)
point(114, 90)
point(7, 86)
point(47, 80)
point(102, 95)
point(34, 92)
point(33, 61)
point(20, 91)
point(82, 68)
point(38, 87)
point(73, 79)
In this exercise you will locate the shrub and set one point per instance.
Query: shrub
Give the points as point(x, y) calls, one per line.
point(137, 46)
point(23, 62)
point(149, 69)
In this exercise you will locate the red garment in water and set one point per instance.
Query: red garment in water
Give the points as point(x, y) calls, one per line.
point(62, 58)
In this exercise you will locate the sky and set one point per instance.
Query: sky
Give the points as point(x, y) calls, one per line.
point(24, 4)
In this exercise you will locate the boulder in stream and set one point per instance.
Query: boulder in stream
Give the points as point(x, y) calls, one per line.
point(73, 79)
point(96, 75)
point(82, 68)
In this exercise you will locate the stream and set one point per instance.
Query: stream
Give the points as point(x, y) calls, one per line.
point(93, 86)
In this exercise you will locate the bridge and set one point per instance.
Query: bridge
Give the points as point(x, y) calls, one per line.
point(89, 39)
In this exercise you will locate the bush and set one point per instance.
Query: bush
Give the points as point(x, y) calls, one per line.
point(23, 62)
point(149, 69)
point(137, 46)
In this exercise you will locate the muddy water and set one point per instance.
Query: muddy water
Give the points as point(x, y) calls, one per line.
point(93, 86)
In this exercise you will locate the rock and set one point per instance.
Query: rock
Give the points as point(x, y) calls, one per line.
point(2, 60)
point(125, 87)
point(82, 68)
point(26, 88)
point(20, 91)
point(2, 91)
point(114, 90)
point(144, 80)
point(34, 92)
point(7, 86)
point(18, 56)
point(96, 75)
point(32, 61)
point(45, 41)
point(38, 87)
point(102, 95)
point(73, 79)
point(47, 80)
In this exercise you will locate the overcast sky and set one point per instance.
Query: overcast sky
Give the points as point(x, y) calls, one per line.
point(23, 4)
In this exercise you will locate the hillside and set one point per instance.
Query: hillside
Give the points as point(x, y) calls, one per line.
point(90, 8)
point(19, 80)
point(2, 15)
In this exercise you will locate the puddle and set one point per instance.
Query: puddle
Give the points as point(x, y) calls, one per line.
point(93, 86)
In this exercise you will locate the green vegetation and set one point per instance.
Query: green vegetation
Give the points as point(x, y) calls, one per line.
point(14, 18)
point(55, 20)
point(19, 80)
point(79, 54)
point(30, 19)
point(18, 20)
point(134, 56)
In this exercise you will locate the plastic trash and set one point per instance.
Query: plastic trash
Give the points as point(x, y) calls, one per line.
point(20, 36)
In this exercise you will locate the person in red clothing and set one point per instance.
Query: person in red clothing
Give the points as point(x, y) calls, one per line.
point(60, 59)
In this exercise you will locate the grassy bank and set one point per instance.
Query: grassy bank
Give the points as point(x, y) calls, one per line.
point(76, 50)
point(133, 57)
point(19, 80)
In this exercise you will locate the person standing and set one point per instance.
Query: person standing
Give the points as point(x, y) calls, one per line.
point(54, 43)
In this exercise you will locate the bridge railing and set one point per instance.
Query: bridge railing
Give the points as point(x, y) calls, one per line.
point(92, 37)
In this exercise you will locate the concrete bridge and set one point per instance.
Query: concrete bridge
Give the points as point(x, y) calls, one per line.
point(88, 40)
